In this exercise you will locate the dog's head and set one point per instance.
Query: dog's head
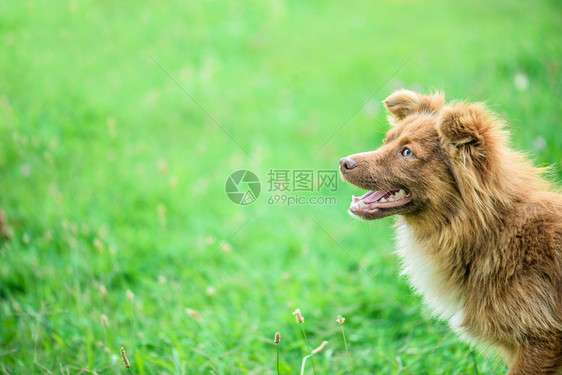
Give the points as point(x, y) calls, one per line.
point(417, 167)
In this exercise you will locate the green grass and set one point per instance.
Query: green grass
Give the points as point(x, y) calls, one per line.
point(88, 123)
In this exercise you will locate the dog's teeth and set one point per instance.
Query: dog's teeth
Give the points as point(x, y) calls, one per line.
point(382, 200)
point(361, 204)
point(401, 194)
point(392, 198)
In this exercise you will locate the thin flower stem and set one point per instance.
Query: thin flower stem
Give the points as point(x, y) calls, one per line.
point(304, 363)
point(346, 351)
point(308, 347)
point(315, 351)
point(278, 373)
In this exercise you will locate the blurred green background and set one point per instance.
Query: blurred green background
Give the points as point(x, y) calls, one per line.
point(112, 178)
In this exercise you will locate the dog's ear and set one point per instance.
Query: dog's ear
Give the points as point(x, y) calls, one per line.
point(405, 102)
point(467, 131)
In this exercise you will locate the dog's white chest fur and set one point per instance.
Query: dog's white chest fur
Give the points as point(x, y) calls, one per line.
point(427, 279)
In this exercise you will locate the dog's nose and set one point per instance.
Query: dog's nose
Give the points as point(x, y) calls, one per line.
point(347, 164)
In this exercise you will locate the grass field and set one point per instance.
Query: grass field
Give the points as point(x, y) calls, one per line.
point(120, 122)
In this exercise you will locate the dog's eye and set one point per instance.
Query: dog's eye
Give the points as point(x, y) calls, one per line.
point(407, 153)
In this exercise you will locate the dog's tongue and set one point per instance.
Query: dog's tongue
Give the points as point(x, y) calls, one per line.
point(369, 197)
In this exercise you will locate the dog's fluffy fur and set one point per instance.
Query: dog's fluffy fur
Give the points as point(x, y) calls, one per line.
point(479, 231)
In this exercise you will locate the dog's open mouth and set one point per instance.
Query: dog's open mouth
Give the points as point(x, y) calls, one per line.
point(373, 201)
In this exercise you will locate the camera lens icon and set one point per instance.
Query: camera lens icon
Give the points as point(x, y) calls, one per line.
point(243, 187)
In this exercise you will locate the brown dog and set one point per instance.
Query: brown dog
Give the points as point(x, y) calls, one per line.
point(479, 233)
